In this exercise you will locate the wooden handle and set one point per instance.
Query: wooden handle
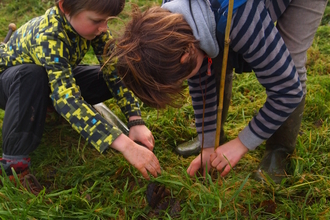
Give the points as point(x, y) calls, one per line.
point(11, 29)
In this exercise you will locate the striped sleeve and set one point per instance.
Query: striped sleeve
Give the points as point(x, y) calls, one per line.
point(255, 37)
point(203, 88)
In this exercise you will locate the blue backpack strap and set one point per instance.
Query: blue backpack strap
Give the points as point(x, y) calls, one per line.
point(220, 9)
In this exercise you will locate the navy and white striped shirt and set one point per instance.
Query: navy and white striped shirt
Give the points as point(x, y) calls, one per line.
point(253, 35)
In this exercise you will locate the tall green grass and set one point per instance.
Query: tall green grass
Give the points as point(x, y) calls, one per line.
point(80, 183)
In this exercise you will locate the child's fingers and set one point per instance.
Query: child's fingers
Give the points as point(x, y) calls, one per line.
point(220, 166)
point(212, 157)
point(155, 164)
point(193, 168)
point(152, 140)
point(216, 161)
point(147, 145)
point(152, 166)
point(144, 173)
point(152, 170)
point(226, 171)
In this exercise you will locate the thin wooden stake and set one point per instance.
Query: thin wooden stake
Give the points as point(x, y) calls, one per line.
point(223, 73)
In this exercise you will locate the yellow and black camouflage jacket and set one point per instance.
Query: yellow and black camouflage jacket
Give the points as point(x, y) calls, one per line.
point(51, 42)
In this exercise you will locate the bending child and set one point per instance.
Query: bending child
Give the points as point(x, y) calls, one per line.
point(41, 60)
point(297, 26)
point(162, 47)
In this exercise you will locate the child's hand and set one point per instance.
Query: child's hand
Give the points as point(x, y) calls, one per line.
point(195, 165)
point(143, 135)
point(230, 152)
point(233, 150)
point(140, 157)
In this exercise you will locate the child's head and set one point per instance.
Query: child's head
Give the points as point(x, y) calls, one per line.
point(151, 57)
point(104, 7)
point(89, 17)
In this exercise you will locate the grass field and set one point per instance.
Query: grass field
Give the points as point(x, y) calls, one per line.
point(80, 183)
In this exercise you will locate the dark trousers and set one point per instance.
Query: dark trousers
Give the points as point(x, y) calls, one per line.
point(24, 95)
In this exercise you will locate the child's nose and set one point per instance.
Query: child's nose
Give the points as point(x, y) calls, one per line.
point(103, 27)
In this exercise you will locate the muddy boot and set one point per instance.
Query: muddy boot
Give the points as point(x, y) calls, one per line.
point(111, 117)
point(193, 147)
point(279, 147)
point(189, 148)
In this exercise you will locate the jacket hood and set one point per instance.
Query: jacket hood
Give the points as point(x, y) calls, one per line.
point(201, 19)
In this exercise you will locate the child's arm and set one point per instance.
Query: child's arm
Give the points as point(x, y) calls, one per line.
point(125, 98)
point(202, 88)
point(55, 52)
point(91, 125)
point(257, 39)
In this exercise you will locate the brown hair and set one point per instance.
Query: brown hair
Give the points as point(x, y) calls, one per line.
point(104, 7)
point(149, 54)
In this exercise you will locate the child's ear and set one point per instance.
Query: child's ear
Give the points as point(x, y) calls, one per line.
point(60, 5)
point(191, 50)
point(184, 57)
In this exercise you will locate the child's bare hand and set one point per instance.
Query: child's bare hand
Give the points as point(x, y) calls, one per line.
point(230, 152)
point(140, 157)
point(143, 159)
point(195, 165)
point(143, 135)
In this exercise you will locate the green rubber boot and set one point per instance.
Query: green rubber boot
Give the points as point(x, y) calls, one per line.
point(279, 147)
point(189, 148)
point(193, 147)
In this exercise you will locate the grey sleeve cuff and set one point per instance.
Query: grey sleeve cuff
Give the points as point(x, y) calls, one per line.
point(209, 139)
point(249, 139)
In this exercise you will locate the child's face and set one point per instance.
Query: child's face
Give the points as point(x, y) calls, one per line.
point(200, 58)
point(88, 24)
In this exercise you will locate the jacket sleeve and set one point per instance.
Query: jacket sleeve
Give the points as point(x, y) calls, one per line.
point(54, 52)
point(126, 100)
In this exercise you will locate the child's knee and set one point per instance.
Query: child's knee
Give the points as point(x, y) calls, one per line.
point(34, 77)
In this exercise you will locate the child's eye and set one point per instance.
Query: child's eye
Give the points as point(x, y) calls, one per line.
point(96, 21)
